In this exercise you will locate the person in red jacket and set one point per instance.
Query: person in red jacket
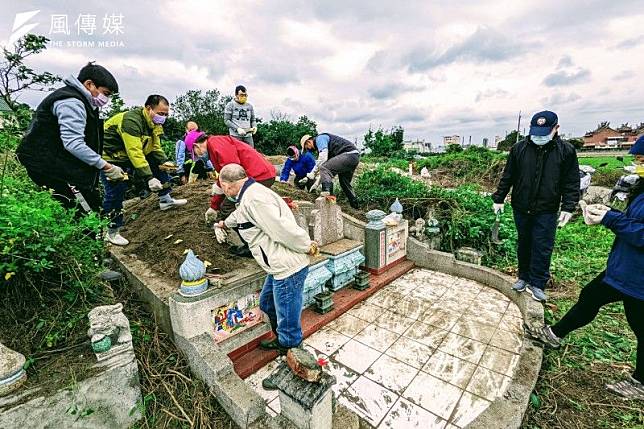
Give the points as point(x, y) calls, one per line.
point(224, 150)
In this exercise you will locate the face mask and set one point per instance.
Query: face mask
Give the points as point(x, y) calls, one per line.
point(158, 119)
point(540, 140)
point(232, 199)
point(100, 100)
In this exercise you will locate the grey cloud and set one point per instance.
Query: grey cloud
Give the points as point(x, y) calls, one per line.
point(626, 74)
point(391, 90)
point(491, 93)
point(484, 45)
point(559, 99)
point(564, 78)
point(564, 62)
point(630, 43)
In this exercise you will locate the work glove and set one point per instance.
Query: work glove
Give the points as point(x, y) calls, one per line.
point(216, 190)
point(211, 213)
point(241, 131)
point(594, 213)
point(220, 234)
point(316, 185)
point(305, 180)
point(564, 218)
point(155, 184)
point(114, 174)
point(168, 167)
point(497, 208)
point(252, 130)
point(314, 249)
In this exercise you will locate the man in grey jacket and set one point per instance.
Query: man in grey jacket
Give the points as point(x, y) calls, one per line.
point(239, 117)
point(61, 149)
point(278, 244)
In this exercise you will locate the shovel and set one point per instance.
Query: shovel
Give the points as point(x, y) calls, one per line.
point(495, 230)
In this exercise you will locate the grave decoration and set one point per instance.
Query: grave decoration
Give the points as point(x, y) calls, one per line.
point(193, 276)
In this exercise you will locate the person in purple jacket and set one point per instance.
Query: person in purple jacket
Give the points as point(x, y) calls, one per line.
point(301, 164)
point(623, 280)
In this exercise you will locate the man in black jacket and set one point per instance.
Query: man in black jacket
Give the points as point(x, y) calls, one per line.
point(61, 149)
point(543, 172)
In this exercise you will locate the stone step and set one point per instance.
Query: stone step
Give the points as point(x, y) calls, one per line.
point(251, 359)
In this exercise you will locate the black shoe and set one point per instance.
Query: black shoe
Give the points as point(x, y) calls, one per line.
point(355, 204)
point(273, 344)
point(242, 251)
point(269, 384)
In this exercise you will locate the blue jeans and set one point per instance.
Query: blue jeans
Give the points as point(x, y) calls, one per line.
point(282, 301)
point(114, 192)
point(536, 240)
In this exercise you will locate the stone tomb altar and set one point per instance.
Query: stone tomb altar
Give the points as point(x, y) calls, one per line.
point(384, 245)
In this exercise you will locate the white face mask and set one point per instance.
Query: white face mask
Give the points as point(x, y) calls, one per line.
point(541, 140)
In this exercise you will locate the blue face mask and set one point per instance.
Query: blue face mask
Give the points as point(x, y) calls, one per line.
point(540, 140)
point(232, 199)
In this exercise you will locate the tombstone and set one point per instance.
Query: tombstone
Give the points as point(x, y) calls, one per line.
point(109, 332)
point(328, 225)
point(384, 245)
point(12, 374)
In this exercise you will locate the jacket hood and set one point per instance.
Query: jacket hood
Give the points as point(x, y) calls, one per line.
point(75, 83)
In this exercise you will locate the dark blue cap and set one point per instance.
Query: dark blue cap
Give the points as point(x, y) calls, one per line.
point(542, 123)
point(638, 147)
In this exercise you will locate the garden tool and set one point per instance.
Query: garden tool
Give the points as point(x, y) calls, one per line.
point(168, 167)
point(495, 229)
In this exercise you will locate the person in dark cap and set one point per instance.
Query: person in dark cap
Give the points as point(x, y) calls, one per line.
point(623, 280)
point(62, 147)
point(543, 172)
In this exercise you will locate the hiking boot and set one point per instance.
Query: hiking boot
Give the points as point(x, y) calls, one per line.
point(273, 344)
point(172, 203)
point(544, 335)
point(537, 294)
point(630, 389)
point(355, 204)
point(519, 285)
point(116, 239)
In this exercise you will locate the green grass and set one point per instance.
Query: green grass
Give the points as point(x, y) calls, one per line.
point(613, 163)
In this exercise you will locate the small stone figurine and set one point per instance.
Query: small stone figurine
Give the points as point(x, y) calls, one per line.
point(109, 331)
point(419, 229)
point(192, 272)
point(396, 207)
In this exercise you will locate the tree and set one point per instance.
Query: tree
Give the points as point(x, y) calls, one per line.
point(276, 135)
point(382, 143)
point(508, 141)
point(205, 108)
point(15, 76)
point(116, 106)
point(577, 143)
point(453, 148)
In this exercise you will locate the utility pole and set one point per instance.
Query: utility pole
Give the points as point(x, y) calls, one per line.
point(518, 128)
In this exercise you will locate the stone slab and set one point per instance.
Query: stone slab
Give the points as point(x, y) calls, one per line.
point(339, 247)
point(305, 393)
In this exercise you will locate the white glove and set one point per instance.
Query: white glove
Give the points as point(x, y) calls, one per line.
point(315, 186)
point(220, 234)
point(564, 218)
point(595, 214)
point(252, 130)
point(155, 185)
point(497, 208)
point(114, 174)
point(216, 190)
point(211, 212)
point(241, 131)
point(303, 181)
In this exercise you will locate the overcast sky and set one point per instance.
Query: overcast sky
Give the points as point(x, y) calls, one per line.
point(434, 67)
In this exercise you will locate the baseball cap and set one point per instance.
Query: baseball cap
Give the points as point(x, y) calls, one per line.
point(542, 123)
point(638, 147)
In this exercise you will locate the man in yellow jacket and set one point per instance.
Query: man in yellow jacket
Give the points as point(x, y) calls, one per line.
point(133, 142)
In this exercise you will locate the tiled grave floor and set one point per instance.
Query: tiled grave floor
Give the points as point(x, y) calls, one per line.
point(427, 351)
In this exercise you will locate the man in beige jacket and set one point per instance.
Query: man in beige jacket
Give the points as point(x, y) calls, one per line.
point(278, 244)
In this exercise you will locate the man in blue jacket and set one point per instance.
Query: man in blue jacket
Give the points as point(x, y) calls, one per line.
point(623, 280)
point(301, 164)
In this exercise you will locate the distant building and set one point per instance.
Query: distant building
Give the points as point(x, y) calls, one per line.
point(448, 140)
point(418, 146)
point(486, 142)
point(605, 137)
